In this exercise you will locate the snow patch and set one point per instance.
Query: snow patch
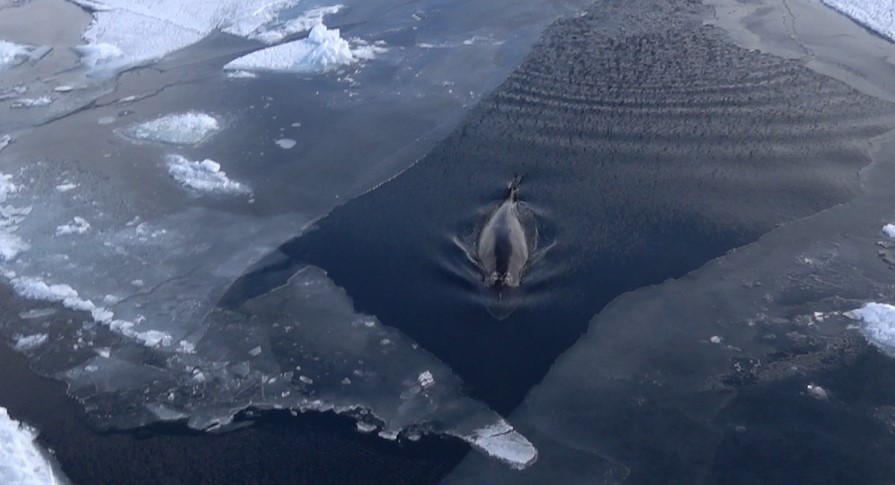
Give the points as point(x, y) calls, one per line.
point(204, 176)
point(22, 462)
point(188, 128)
point(324, 49)
point(876, 15)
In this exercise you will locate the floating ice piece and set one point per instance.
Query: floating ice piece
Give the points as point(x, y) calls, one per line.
point(11, 246)
point(241, 75)
point(204, 176)
point(37, 289)
point(889, 230)
point(22, 462)
point(878, 324)
point(31, 102)
point(303, 23)
point(285, 143)
point(876, 15)
point(12, 54)
point(324, 49)
point(190, 128)
point(5, 140)
point(66, 186)
point(127, 33)
point(29, 342)
point(65, 88)
point(78, 225)
point(502, 442)
point(817, 392)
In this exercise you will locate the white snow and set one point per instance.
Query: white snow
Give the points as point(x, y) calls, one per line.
point(285, 143)
point(878, 324)
point(29, 342)
point(324, 49)
point(22, 462)
point(502, 442)
point(303, 23)
point(189, 128)
point(127, 33)
point(876, 15)
point(78, 225)
point(31, 102)
point(11, 54)
point(204, 176)
point(11, 246)
point(889, 230)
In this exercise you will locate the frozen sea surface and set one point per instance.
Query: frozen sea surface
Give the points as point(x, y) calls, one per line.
point(22, 462)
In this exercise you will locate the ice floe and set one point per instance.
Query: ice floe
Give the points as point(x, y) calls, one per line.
point(66, 186)
point(78, 225)
point(10, 243)
point(302, 23)
point(11, 54)
point(889, 230)
point(128, 33)
point(324, 49)
point(876, 15)
point(22, 462)
point(29, 342)
point(877, 324)
point(5, 140)
point(204, 176)
point(189, 128)
point(241, 75)
point(31, 102)
point(285, 143)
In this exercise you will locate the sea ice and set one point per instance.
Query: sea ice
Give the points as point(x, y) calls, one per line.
point(189, 128)
point(66, 186)
point(303, 23)
point(131, 33)
point(78, 225)
point(29, 342)
point(285, 143)
point(241, 75)
point(22, 462)
point(31, 102)
point(12, 54)
point(5, 140)
point(878, 324)
point(324, 49)
point(876, 15)
point(204, 176)
point(889, 230)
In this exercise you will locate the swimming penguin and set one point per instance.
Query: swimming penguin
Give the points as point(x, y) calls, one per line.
point(503, 248)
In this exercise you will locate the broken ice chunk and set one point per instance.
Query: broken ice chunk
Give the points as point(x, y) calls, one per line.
point(188, 128)
point(204, 176)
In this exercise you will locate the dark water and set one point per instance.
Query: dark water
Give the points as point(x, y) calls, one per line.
point(648, 145)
